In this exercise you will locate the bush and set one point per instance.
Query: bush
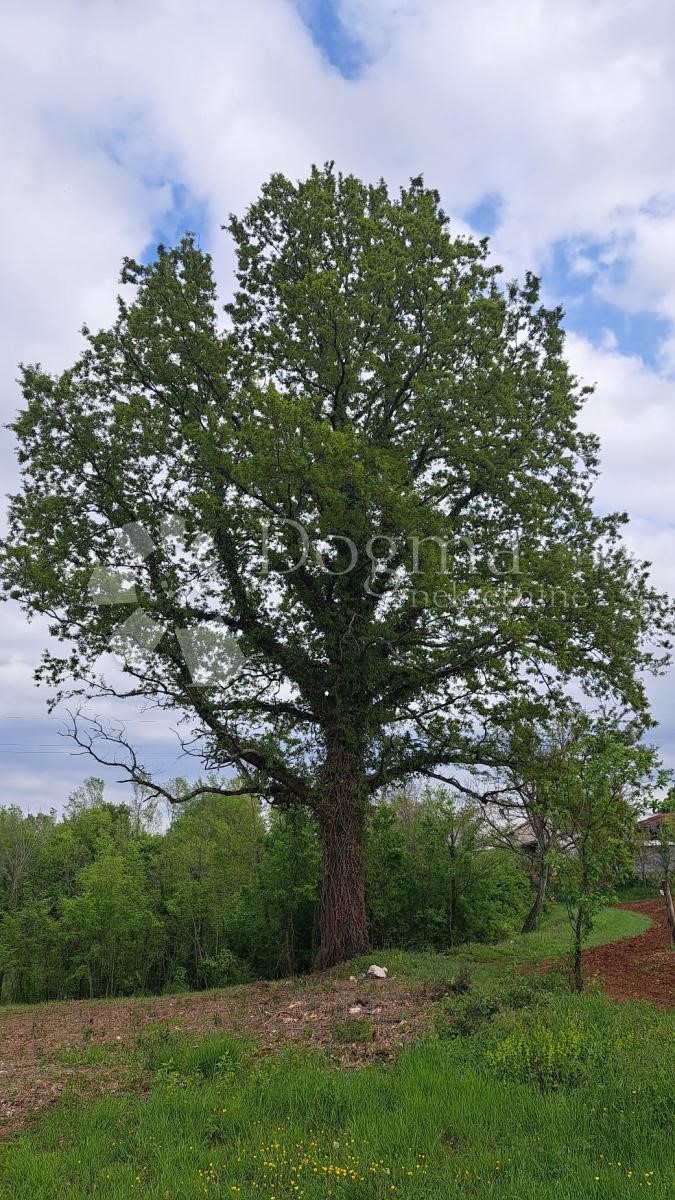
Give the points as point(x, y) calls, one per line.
point(223, 969)
point(546, 1057)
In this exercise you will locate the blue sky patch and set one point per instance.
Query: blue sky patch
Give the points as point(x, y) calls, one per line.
point(185, 212)
point(334, 40)
point(484, 217)
point(587, 312)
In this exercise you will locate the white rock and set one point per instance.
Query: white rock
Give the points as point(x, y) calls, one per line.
point(376, 972)
point(355, 1009)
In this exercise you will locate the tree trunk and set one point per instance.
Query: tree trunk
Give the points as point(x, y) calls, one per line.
point(577, 970)
point(670, 909)
point(343, 926)
point(532, 919)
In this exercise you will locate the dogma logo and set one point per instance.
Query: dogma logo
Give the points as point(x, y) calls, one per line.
point(211, 655)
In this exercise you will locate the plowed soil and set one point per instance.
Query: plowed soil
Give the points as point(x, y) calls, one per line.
point(637, 968)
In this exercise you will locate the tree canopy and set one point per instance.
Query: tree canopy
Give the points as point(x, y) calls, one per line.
point(358, 511)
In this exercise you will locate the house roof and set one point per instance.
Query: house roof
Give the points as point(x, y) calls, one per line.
point(654, 820)
point(524, 834)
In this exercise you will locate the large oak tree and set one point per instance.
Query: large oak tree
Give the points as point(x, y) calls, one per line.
point(386, 501)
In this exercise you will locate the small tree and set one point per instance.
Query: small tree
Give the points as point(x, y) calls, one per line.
point(354, 523)
point(90, 794)
point(524, 791)
point(21, 837)
point(597, 797)
point(144, 809)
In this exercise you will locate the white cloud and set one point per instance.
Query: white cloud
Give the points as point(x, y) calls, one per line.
point(632, 411)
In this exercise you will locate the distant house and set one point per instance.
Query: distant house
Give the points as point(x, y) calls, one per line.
point(523, 835)
point(652, 823)
point(649, 858)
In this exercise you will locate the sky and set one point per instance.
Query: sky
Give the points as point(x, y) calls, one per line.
point(546, 124)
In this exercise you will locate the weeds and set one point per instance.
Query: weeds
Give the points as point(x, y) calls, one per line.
point(354, 1029)
point(549, 1058)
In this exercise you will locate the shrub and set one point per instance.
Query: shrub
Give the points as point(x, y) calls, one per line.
point(222, 969)
point(547, 1057)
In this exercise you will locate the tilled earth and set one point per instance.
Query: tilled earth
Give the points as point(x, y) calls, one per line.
point(637, 968)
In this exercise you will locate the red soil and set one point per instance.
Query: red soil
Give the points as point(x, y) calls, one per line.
point(637, 968)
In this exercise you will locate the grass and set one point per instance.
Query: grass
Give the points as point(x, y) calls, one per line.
point(447, 1121)
point(102, 1054)
point(550, 940)
point(650, 890)
point(524, 1092)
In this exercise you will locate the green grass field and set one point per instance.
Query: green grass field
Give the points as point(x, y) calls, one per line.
point(522, 1091)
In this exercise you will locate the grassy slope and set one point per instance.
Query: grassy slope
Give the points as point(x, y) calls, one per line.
point(551, 940)
point(450, 1119)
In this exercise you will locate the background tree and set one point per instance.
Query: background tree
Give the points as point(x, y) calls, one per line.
point(434, 877)
point(20, 839)
point(207, 857)
point(520, 810)
point(84, 921)
point(108, 929)
point(89, 794)
point(222, 895)
point(275, 925)
point(598, 795)
point(521, 799)
point(336, 480)
point(144, 809)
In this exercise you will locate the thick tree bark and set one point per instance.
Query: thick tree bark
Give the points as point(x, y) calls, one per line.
point(343, 925)
point(532, 919)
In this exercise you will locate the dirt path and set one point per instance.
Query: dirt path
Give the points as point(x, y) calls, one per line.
point(637, 968)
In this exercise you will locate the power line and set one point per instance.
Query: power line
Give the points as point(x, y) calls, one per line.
point(27, 752)
point(47, 717)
